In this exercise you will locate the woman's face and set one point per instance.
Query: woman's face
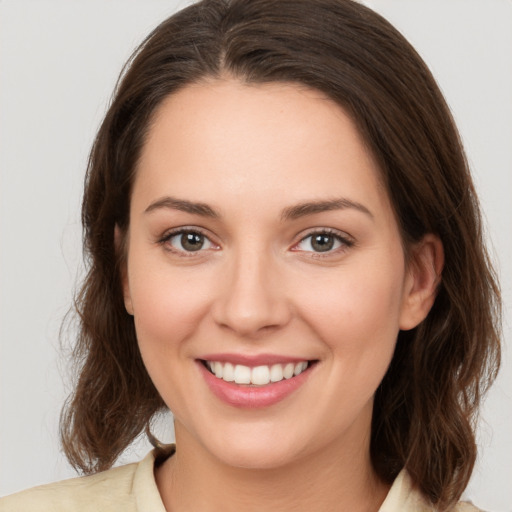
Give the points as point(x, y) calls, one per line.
point(262, 245)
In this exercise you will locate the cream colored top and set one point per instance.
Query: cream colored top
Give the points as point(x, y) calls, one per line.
point(132, 488)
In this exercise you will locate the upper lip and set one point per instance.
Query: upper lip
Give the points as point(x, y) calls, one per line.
point(253, 359)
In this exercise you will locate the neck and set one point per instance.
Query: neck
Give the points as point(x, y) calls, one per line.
point(193, 479)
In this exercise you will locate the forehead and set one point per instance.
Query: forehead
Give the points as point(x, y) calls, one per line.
point(222, 140)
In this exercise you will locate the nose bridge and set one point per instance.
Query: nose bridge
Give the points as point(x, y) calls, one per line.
point(251, 297)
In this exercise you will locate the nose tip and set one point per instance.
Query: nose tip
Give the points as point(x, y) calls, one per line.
point(252, 301)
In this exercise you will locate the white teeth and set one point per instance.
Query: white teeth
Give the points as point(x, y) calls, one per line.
point(276, 373)
point(299, 368)
point(258, 375)
point(288, 371)
point(217, 369)
point(228, 373)
point(242, 374)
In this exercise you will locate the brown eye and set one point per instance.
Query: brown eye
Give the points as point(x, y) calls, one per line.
point(189, 241)
point(323, 242)
point(192, 241)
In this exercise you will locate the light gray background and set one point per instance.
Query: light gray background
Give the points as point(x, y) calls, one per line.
point(59, 60)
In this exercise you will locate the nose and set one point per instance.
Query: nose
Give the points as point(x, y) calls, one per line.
point(252, 299)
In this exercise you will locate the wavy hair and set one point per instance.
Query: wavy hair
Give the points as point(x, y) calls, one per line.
point(425, 408)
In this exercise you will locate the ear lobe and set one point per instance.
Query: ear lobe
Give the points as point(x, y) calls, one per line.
point(424, 275)
point(120, 245)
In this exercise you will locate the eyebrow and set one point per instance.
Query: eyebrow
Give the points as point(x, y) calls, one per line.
point(183, 205)
point(312, 207)
point(289, 213)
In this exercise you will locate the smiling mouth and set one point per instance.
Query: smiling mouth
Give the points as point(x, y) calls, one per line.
point(258, 375)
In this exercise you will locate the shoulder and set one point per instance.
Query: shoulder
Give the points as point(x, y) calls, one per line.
point(96, 492)
point(404, 497)
point(119, 489)
point(93, 492)
point(464, 506)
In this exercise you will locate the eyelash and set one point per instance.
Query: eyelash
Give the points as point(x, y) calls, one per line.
point(344, 241)
point(169, 235)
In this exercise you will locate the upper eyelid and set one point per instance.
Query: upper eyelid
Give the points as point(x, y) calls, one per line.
point(341, 235)
point(169, 233)
point(344, 238)
point(165, 238)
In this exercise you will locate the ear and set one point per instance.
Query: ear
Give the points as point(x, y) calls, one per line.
point(120, 245)
point(423, 277)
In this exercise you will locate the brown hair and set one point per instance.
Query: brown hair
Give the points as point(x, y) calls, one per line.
point(425, 407)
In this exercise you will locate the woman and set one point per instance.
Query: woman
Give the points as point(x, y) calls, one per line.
point(286, 252)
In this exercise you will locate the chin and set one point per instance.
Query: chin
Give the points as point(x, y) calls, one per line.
point(253, 450)
point(256, 457)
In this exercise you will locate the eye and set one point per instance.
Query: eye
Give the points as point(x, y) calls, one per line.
point(187, 240)
point(323, 241)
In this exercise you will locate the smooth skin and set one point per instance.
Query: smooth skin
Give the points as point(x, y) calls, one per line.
point(234, 184)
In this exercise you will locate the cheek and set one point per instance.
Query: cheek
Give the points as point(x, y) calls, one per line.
point(357, 321)
point(168, 305)
point(356, 314)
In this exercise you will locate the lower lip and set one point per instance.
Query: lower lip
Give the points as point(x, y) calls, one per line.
point(252, 397)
